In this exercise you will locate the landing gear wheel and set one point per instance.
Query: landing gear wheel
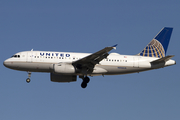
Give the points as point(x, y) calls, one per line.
point(86, 80)
point(28, 80)
point(83, 85)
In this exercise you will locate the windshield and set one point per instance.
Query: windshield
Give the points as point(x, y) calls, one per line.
point(16, 56)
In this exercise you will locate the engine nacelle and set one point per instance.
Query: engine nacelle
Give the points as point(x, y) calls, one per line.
point(63, 68)
point(63, 78)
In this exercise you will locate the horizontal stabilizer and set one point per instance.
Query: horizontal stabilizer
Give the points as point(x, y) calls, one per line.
point(164, 59)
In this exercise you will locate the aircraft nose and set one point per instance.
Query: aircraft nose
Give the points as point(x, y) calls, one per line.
point(6, 63)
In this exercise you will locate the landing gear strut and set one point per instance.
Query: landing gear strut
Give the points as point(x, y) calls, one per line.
point(28, 79)
point(85, 82)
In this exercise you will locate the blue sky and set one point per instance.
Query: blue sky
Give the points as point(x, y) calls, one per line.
point(88, 26)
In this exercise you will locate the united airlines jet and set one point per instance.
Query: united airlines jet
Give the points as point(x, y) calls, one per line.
point(66, 66)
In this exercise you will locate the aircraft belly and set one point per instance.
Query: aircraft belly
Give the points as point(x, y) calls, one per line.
point(30, 66)
point(118, 70)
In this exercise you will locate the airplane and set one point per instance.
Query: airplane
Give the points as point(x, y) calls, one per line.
point(66, 66)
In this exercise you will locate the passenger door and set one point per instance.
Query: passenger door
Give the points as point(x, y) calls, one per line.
point(29, 56)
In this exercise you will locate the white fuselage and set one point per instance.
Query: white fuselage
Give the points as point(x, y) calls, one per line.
point(43, 61)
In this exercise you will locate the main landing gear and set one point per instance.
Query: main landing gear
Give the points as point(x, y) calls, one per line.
point(85, 82)
point(28, 79)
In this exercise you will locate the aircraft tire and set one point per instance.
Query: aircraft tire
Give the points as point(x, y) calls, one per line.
point(28, 80)
point(83, 84)
point(86, 80)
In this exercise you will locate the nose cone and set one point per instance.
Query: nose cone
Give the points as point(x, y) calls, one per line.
point(9, 63)
point(5, 63)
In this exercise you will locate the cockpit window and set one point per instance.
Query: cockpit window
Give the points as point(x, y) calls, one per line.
point(16, 56)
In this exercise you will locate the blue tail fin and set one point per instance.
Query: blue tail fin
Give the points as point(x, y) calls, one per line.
point(158, 46)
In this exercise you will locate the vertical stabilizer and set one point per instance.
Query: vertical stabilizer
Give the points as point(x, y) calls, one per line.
point(158, 46)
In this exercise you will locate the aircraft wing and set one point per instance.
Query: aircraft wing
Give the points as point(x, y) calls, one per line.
point(93, 59)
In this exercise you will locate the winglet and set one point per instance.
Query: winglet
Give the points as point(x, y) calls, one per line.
point(114, 46)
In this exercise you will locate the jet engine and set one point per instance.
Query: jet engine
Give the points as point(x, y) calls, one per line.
point(63, 68)
point(63, 78)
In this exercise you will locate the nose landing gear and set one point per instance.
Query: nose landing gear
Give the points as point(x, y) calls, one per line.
point(28, 79)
